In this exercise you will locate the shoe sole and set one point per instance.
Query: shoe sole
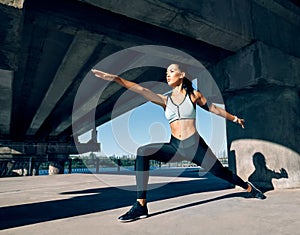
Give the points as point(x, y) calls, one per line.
point(262, 196)
point(130, 220)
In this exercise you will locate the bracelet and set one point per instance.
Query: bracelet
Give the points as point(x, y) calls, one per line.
point(235, 119)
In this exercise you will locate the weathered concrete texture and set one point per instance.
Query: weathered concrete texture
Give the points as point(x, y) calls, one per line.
point(262, 85)
point(11, 24)
point(227, 24)
point(221, 23)
point(256, 65)
point(272, 29)
point(279, 68)
point(6, 78)
point(262, 162)
point(283, 8)
point(85, 204)
point(271, 115)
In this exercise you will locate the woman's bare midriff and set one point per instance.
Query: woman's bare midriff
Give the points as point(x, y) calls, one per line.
point(184, 128)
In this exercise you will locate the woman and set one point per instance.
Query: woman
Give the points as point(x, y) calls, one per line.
point(185, 143)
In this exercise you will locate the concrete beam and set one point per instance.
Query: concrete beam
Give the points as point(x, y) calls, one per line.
point(276, 30)
point(257, 65)
point(282, 8)
point(79, 52)
point(202, 20)
point(139, 58)
point(45, 148)
point(83, 108)
point(226, 24)
point(93, 92)
point(6, 79)
point(125, 103)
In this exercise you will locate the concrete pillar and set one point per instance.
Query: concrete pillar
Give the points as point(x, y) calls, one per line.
point(56, 167)
point(261, 84)
point(57, 163)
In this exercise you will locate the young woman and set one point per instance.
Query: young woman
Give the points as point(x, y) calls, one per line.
point(185, 143)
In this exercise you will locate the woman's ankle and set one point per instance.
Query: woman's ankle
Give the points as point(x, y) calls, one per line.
point(249, 188)
point(142, 201)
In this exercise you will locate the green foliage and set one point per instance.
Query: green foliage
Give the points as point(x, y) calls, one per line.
point(92, 160)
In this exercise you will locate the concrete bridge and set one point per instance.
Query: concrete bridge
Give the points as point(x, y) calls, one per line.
point(250, 48)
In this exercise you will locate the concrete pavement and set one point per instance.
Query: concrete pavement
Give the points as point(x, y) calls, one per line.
point(186, 204)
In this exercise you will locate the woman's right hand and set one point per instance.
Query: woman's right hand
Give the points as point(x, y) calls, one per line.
point(148, 94)
point(103, 75)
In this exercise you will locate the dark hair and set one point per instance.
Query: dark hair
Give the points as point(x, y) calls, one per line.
point(187, 85)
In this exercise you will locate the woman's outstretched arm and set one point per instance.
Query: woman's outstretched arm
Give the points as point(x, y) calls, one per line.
point(223, 113)
point(145, 92)
point(202, 102)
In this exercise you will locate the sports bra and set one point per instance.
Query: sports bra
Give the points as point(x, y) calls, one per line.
point(185, 110)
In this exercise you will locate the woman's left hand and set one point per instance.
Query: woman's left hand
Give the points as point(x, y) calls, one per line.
point(241, 122)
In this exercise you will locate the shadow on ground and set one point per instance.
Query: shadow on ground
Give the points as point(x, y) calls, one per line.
point(103, 199)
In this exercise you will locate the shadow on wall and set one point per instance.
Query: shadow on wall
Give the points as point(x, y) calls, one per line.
point(266, 164)
point(262, 176)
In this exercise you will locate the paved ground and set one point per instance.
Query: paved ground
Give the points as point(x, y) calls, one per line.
point(189, 204)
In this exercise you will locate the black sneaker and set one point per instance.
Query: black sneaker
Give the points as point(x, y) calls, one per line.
point(255, 192)
point(136, 212)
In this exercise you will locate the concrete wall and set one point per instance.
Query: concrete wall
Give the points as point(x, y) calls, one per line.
point(262, 162)
point(11, 25)
point(261, 84)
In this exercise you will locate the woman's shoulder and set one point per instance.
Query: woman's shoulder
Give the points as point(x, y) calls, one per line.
point(167, 95)
point(197, 93)
point(163, 97)
point(195, 96)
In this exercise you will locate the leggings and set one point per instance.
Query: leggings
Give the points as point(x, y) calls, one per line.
point(193, 149)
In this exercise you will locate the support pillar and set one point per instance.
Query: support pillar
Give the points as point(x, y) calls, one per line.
point(261, 84)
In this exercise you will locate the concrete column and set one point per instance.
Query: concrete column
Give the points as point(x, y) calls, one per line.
point(261, 84)
point(57, 163)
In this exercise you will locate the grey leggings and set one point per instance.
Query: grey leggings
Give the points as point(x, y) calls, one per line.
point(193, 149)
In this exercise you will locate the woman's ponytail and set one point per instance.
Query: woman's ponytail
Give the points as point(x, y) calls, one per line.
point(187, 85)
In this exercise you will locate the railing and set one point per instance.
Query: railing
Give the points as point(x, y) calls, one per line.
point(21, 166)
point(30, 166)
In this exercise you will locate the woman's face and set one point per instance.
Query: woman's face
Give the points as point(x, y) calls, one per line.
point(174, 76)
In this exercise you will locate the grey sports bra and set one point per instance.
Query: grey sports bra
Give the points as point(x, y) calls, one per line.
point(185, 110)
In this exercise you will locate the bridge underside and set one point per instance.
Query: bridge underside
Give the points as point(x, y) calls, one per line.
point(56, 45)
point(49, 47)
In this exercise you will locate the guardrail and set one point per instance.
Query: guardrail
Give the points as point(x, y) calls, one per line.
point(28, 166)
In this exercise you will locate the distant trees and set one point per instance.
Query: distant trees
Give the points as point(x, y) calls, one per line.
point(93, 160)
